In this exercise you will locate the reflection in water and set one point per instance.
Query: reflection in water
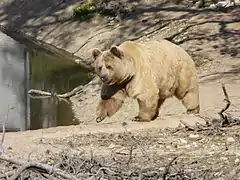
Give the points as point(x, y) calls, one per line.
point(52, 74)
point(39, 71)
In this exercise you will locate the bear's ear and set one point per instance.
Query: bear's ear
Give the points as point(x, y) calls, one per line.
point(116, 51)
point(95, 53)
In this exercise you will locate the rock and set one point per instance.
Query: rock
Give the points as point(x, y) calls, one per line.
point(213, 6)
point(194, 136)
point(225, 4)
point(199, 4)
point(170, 148)
point(230, 139)
point(183, 141)
point(194, 144)
point(237, 161)
point(111, 146)
point(187, 146)
point(237, 2)
point(223, 158)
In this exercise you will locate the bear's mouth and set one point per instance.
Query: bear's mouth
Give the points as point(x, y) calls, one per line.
point(107, 82)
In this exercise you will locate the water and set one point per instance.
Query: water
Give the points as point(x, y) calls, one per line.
point(39, 71)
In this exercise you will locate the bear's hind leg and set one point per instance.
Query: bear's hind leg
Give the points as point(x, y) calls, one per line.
point(191, 101)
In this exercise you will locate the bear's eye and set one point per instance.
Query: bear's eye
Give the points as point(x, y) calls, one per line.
point(99, 68)
point(108, 67)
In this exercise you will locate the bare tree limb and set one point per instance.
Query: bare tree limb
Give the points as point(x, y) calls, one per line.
point(39, 94)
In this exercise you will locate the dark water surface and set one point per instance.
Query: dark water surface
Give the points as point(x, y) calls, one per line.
point(22, 69)
point(52, 74)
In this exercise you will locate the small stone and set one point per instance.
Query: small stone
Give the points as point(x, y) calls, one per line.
point(194, 136)
point(77, 61)
point(237, 2)
point(111, 146)
point(237, 161)
point(230, 139)
point(213, 6)
point(187, 146)
point(199, 4)
point(194, 144)
point(170, 148)
point(223, 158)
point(183, 141)
point(9, 148)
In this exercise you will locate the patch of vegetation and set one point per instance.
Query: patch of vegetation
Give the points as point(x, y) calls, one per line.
point(89, 10)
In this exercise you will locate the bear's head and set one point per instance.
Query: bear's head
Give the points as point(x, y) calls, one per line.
point(113, 66)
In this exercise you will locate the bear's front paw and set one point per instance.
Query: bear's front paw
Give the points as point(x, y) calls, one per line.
point(100, 119)
point(139, 119)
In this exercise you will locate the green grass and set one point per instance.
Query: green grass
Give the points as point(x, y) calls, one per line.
point(89, 10)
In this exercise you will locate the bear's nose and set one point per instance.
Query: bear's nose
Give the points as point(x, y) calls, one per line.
point(104, 78)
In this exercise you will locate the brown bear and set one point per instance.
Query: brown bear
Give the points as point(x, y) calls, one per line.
point(149, 72)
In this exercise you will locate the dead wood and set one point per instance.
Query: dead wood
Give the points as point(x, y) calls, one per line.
point(40, 167)
point(224, 118)
point(167, 168)
point(39, 94)
point(216, 126)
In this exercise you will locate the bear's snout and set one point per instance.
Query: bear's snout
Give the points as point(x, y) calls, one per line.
point(104, 78)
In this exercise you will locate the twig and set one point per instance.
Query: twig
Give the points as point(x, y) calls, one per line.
point(135, 142)
point(131, 154)
point(38, 94)
point(37, 166)
point(105, 169)
point(166, 171)
point(228, 103)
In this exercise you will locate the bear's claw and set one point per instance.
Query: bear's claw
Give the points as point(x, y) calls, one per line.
point(138, 119)
point(100, 119)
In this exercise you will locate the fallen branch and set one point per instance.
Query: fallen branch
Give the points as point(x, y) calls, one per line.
point(42, 168)
point(39, 94)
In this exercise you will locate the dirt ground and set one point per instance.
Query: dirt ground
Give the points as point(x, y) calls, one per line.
point(118, 148)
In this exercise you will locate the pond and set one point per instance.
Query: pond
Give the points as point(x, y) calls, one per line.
point(22, 69)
